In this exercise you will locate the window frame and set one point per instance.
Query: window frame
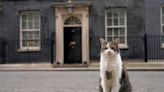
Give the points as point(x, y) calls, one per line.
point(123, 45)
point(30, 48)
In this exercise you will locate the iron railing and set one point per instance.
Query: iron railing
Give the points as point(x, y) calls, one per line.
point(11, 52)
point(146, 48)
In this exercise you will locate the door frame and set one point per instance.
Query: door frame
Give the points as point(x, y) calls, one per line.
point(81, 11)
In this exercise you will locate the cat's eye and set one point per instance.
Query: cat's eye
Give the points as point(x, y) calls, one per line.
point(112, 48)
point(105, 48)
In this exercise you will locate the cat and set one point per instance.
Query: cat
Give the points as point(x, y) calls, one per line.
point(113, 75)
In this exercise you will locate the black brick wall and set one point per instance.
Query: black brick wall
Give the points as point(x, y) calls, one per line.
point(143, 16)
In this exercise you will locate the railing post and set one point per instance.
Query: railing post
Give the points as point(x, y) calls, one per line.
point(145, 48)
point(3, 51)
point(52, 50)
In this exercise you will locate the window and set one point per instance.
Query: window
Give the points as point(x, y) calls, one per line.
point(30, 30)
point(162, 26)
point(116, 26)
point(72, 20)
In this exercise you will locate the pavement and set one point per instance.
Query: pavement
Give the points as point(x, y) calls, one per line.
point(74, 81)
point(150, 66)
point(145, 77)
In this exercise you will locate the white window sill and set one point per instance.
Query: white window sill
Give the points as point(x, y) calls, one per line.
point(162, 45)
point(29, 49)
point(123, 46)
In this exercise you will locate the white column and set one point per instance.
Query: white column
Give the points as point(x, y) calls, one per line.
point(59, 38)
point(85, 36)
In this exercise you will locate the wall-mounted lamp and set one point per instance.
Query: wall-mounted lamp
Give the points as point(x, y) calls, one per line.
point(70, 8)
point(69, 1)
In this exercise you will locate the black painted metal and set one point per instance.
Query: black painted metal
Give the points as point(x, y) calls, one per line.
point(145, 48)
point(72, 45)
point(3, 47)
point(52, 49)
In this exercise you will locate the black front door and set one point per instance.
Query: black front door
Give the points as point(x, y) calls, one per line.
point(72, 45)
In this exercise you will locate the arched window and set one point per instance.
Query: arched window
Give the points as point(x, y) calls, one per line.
point(72, 20)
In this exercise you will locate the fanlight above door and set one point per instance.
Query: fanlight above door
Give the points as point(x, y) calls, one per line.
point(72, 20)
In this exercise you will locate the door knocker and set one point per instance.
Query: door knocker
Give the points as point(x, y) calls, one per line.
point(72, 44)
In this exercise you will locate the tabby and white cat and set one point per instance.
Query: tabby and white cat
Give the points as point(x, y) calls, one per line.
point(113, 75)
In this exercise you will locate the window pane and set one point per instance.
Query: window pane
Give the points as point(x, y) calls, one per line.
point(24, 43)
point(109, 22)
point(162, 30)
point(30, 21)
point(36, 21)
point(162, 38)
point(24, 25)
point(24, 22)
point(36, 43)
point(115, 21)
point(36, 35)
point(162, 10)
point(31, 39)
point(162, 19)
point(122, 32)
point(116, 17)
point(116, 32)
point(30, 35)
point(33, 35)
point(115, 14)
point(31, 43)
point(109, 32)
point(109, 15)
point(115, 37)
point(122, 21)
point(109, 39)
point(121, 13)
point(122, 39)
point(25, 35)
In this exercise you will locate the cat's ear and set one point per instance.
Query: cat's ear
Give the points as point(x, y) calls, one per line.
point(102, 41)
point(117, 40)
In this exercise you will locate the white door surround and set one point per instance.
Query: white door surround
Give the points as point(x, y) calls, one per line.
point(62, 12)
